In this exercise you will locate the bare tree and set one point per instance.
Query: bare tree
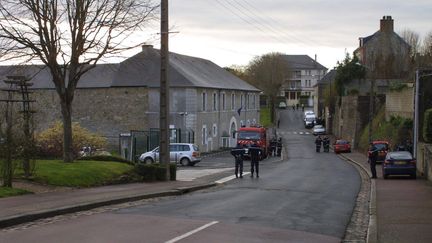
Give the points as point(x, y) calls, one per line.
point(69, 37)
point(413, 39)
point(268, 72)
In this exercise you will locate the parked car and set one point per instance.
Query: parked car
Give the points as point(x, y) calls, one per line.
point(182, 153)
point(341, 146)
point(382, 147)
point(399, 163)
point(318, 130)
point(282, 105)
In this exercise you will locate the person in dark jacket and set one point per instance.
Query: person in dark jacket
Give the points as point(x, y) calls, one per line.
point(238, 153)
point(318, 142)
point(255, 154)
point(373, 156)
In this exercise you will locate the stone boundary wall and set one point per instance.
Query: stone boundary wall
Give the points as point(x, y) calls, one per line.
point(400, 103)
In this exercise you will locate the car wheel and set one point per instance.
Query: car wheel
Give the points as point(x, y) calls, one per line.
point(349, 151)
point(184, 161)
point(414, 176)
point(385, 176)
point(148, 160)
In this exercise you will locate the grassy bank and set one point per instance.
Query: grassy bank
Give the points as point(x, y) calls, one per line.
point(78, 173)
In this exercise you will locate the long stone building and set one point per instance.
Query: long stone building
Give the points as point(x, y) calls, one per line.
point(207, 103)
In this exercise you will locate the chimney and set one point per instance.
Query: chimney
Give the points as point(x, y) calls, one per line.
point(386, 24)
point(146, 46)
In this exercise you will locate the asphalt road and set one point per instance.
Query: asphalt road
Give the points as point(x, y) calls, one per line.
point(306, 197)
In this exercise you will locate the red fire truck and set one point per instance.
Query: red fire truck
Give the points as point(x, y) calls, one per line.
point(256, 134)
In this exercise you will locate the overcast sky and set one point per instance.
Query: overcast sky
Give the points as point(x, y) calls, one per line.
point(232, 32)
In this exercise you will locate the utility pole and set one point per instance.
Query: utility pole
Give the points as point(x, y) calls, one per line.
point(164, 91)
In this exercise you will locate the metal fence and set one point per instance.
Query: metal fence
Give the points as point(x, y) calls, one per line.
point(134, 143)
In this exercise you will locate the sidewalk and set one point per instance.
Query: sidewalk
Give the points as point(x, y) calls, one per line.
point(401, 209)
point(21, 209)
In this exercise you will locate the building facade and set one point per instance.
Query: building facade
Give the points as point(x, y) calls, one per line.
point(303, 74)
point(207, 103)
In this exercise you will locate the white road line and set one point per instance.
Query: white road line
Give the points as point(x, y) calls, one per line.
point(228, 178)
point(191, 232)
point(301, 133)
point(295, 132)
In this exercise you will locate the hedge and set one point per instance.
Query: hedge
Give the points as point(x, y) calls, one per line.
point(155, 172)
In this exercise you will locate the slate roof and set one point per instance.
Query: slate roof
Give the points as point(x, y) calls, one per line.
point(141, 70)
point(328, 78)
point(302, 62)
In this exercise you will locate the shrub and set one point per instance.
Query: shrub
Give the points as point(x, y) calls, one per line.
point(427, 126)
point(50, 141)
point(155, 172)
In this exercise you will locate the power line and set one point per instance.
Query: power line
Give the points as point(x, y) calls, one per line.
point(263, 22)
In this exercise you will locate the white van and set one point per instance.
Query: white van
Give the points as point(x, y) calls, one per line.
point(309, 121)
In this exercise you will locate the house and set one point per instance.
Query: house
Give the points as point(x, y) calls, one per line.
point(385, 54)
point(304, 72)
point(207, 103)
point(320, 88)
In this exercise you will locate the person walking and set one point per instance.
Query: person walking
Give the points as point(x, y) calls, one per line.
point(255, 153)
point(238, 153)
point(373, 156)
point(318, 142)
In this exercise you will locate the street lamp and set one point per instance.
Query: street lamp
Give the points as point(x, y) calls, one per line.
point(416, 109)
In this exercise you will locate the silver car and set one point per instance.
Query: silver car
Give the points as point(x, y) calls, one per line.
point(182, 153)
point(318, 130)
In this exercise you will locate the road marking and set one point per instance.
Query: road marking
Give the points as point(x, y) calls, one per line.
point(228, 178)
point(191, 232)
point(301, 133)
point(295, 132)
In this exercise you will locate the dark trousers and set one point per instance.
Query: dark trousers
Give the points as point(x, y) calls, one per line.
point(372, 163)
point(238, 167)
point(254, 166)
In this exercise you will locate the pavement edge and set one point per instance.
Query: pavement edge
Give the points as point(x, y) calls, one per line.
point(372, 234)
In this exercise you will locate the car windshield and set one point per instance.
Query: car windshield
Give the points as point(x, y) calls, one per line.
point(248, 135)
point(380, 146)
point(341, 142)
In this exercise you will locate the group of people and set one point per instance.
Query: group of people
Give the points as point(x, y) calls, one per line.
point(296, 107)
point(324, 141)
point(255, 154)
point(275, 147)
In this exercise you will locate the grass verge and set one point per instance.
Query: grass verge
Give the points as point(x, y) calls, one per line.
point(78, 173)
point(9, 192)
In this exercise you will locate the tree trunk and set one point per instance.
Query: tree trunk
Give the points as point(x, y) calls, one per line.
point(66, 109)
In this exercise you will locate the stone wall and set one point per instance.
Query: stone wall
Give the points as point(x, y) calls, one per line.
point(107, 111)
point(400, 103)
point(351, 118)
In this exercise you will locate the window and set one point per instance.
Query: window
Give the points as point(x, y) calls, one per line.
point(214, 101)
point(223, 101)
point(232, 101)
point(204, 101)
point(254, 102)
point(204, 135)
point(214, 130)
point(308, 72)
point(241, 100)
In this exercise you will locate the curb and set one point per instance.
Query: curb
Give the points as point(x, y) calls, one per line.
point(372, 233)
point(24, 218)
